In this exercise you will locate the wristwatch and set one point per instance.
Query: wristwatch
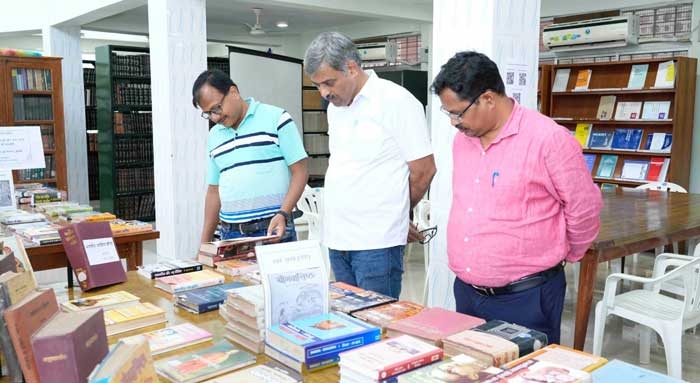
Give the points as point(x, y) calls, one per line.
point(286, 215)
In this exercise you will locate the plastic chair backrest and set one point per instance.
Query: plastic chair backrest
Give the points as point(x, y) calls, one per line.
point(663, 186)
point(421, 214)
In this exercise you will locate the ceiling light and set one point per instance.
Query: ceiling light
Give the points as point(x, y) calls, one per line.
point(282, 24)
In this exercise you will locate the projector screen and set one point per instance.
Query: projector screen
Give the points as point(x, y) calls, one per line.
point(269, 78)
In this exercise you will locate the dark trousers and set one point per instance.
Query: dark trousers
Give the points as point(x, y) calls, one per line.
point(538, 308)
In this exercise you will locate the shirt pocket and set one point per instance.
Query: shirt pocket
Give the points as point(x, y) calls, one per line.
point(507, 201)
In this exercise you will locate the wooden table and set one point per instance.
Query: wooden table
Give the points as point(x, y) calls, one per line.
point(210, 321)
point(633, 221)
point(129, 247)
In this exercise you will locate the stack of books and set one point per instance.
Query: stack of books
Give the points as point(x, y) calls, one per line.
point(459, 368)
point(124, 227)
point(199, 301)
point(203, 364)
point(37, 233)
point(211, 253)
point(172, 338)
point(235, 267)
point(87, 216)
point(169, 267)
point(182, 282)
point(490, 349)
point(381, 361)
point(348, 298)
point(244, 311)
point(528, 340)
point(565, 356)
point(383, 315)
point(316, 342)
point(433, 325)
point(13, 217)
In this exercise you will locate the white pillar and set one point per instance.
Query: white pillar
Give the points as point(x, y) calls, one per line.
point(508, 32)
point(177, 35)
point(64, 41)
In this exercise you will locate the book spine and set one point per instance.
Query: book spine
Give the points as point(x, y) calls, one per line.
point(182, 270)
point(333, 347)
point(210, 306)
point(401, 367)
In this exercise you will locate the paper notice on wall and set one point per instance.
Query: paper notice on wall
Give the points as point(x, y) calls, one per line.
point(21, 148)
point(517, 80)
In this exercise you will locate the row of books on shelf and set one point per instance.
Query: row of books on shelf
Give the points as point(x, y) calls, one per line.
point(135, 94)
point(26, 107)
point(90, 96)
point(91, 119)
point(140, 122)
point(92, 141)
point(629, 139)
point(129, 179)
point(665, 77)
point(31, 79)
point(47, 139)
point(131, 65)
point(89, 75)
point(633, 110)
point(133, 150)
point(33, 194)
point(136, 206)
point(39, 174)
point(653, 170)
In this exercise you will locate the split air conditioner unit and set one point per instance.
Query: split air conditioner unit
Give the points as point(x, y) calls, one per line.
point(379, 52)
point(592, 34)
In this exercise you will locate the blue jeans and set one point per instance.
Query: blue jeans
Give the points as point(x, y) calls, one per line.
point(378, 270)
point(290, 234)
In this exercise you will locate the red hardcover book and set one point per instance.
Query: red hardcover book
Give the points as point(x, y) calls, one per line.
point(433, 325)
point(92, 254)
point(23, 319)
point(655, 166)
point(69, 346)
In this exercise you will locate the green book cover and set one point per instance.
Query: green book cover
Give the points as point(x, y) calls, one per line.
point(205, 363)
point(606, 168)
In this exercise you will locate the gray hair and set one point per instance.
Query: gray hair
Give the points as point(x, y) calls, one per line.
point(333, 49)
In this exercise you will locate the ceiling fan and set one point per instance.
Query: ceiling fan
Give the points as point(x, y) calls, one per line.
point(257, 28)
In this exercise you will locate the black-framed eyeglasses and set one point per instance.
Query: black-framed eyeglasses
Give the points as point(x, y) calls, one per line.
point(458, 117)
point(428, 234)
point(217, 109)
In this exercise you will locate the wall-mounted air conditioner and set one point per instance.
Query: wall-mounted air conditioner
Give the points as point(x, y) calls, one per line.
point(379, 52)
point(591, 34)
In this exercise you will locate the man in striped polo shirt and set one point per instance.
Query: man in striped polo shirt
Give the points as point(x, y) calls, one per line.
point(257, 163)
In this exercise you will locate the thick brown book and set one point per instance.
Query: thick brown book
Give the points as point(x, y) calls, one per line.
point(7, 262)
point(69, 346)
point(92, 254)
point(13, 288)
point(23, 319)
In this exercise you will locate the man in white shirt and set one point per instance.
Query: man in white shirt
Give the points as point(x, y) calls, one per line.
point(381, 165)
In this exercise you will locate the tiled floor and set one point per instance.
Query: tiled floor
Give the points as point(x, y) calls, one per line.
point(620, 336)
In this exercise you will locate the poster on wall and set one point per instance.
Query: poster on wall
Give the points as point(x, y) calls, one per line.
point(517, 82)
point(21, 147)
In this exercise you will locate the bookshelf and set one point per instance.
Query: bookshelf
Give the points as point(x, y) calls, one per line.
point(571, 108)
point(31, 94)
point(125, 132)
point(221, 63)
point(91, 129)
point(315, 132)
point(544, 88)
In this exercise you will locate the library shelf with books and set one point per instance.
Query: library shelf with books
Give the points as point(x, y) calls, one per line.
point(91, 129)
point(31, 94)
point(315, 131)
point(626, 97)
point(544, 88)
point(125, 131)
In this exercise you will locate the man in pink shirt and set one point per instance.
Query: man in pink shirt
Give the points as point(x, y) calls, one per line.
point(523, 200)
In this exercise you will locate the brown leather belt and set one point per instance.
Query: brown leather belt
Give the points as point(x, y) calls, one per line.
point(253, 226)
point(522, 284)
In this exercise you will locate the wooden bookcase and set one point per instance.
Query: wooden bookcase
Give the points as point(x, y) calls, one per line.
point(125, 131)
point(570, 107)
point(91, 129)
point(315, 128)
point(544, 88)
point(31, 94)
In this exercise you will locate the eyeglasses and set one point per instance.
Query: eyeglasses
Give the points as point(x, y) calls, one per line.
point(217, 109)
point(428, 234)
point(458, 117)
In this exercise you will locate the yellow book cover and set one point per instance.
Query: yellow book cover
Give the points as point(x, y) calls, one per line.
point(565, 356)
point(128, 361)
point(132, 312)
point(189, 281)
point(583, 78)
point(583, 131)
point(106, 301)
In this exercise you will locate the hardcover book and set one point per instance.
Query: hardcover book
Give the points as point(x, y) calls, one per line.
point(528, 340)
point(134, 316)
point(173, 338)
point(618, 371)
point(91, 252)
point(204, 363)
point(269, 372)
point(169, 267)
point(301, 367)
point(12, 245)
point(606, 107)
point(565, 356)
point(22, 320)
point(205, 299)
point(348, 298)
point(458, 369)
point(390, 357)
point(433, 324)
point(322, 336)
point(189, 281)
point(295, 281)
point(233, 247)
point(383, 315)
point(488, 348)
point(14, 288)
point(69, 346)
point(107, 301)
point(129, 361)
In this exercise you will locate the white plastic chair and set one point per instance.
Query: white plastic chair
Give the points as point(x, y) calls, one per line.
point(668, 316)
point(421, 218)
point(311, 204)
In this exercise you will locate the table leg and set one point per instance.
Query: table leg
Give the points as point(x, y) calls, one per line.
point(69, 276)
point(586, 284)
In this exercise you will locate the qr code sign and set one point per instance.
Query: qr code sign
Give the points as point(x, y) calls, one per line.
point(516, 96)
point(522, 79)
point(510, 78)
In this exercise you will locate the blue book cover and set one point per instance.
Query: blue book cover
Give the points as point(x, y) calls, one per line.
point(606, 167)
point(627, 139)
point(600, 139)
point(590, 161)
point(618, 371)
point(665, 146)
point(321, 336)
point(206, 298)
point(348, 299)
